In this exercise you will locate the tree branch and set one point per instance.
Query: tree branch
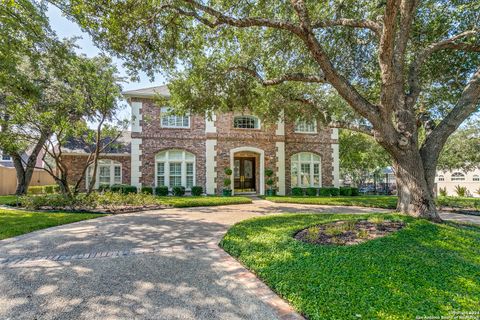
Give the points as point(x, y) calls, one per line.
point(415, 67)
point(297, 76)
point(353, 127)
point(354, 23)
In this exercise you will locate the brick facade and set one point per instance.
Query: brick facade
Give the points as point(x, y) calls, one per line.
point(76, 163)
point(154, 139)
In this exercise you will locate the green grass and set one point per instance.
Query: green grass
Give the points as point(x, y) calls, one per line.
point(17, 222)
point(183, 202)
point(8, 200)
point(386, 202)
point(424, 269)
point(459, 202)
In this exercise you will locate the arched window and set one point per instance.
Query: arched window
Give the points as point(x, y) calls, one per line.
point(108, 172)
point(175, 168)
point(441, 178)
point(476, 178)
point(458, 176)
point(246, 122)
point(306, 170)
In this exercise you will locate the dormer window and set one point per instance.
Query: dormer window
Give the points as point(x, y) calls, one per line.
point(246, 122)
point(173, 120)
point(306, 126)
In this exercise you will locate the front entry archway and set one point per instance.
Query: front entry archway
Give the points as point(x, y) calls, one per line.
point(248, 165)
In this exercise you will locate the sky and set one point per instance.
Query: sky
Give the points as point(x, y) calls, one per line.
point(68, 29)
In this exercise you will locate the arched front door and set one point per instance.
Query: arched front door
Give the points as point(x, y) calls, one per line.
point(244, 174)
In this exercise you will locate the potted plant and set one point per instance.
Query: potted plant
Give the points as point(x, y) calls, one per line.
point(227, 182)
point(270, 182)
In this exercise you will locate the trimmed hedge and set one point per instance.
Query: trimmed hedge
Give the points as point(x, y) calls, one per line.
point(161, 191)
point(147, 190)
point(197, 191)
point(297, 191)
point(311, 192)
point(355, 192)
point(345, 191)
point(35, 190)
point(103, 187)
point(324, 192)
point(178, 191)
point(123, 188)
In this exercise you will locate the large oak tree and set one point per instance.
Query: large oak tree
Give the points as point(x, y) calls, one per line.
point(404, 69)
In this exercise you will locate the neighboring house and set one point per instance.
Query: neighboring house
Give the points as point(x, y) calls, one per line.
point(113, 166)
point(6, 160)
point(194, 150)
point(450, 179)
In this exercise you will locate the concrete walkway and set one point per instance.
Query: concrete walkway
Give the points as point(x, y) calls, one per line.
point(162, 264)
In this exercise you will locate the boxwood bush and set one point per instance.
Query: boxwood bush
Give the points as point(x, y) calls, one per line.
point(324, 192)
point(197, 191)
point(123, 188)
point(297, 191)
point(345, 191)
point(355, 192)
point(334, 191)
point(103, 187)
point(35, 190)
point(311, 192)
point(161, 191)
point(178, 191)
point(147, 190)
point(53, 188)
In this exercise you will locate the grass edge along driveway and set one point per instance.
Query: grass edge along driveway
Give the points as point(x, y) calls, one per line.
point(385, 202)
point(425, 269)
point(17, 222)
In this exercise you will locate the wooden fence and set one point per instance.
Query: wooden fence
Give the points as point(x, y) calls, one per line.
point(8, 180)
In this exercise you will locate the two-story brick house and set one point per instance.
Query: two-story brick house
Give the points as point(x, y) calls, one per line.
point(195, 150)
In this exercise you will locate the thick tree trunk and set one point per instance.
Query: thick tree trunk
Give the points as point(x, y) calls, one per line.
point(415, 196)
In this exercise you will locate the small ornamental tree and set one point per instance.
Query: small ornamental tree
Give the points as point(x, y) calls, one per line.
point(270, 182)
point(227, 182)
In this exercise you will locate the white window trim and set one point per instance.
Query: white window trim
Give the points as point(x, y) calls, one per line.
point(297, 122)
point(247, 116)
point(311, 162)
point(459, 178)
point(112, 164)
point(441, 178)
point(163, 114)
point(166, 169)
point(476, 178)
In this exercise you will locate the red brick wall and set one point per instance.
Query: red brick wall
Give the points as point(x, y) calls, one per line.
point(76, 163)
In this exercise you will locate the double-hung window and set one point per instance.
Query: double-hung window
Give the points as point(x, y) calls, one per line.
point(175, 168)
point(169, 120)
point(108, 172)
point(306, 126)
point(306, 170)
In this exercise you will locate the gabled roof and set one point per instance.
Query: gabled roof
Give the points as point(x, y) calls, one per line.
point(78, 146)
point(147, 92)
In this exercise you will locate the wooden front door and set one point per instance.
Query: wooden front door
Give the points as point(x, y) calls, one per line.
point(244, 174)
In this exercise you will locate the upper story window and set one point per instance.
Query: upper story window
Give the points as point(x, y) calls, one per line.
point(476, 177)
point(246, 122)
point(441, 178)
point(174, 121)
point(458, 176)
point(306, 126)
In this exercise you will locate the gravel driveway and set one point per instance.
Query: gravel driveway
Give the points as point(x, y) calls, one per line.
point(161, 264)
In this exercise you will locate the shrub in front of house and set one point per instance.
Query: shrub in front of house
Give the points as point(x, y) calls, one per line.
point(355, 192)
point(35, 190)
point(345, 191)
point(311, 192)
point(161, 191)
point(178, 191)
point(197, 191)
point(103, 187)
point(123, 188)
point(147, 190)
point(334, 191)
point(50, 189)
point(297, 191)
point(324, 192)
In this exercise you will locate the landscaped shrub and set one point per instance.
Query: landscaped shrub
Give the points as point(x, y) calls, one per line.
point(161, 191)
point(334, 191)
point(123, 188)
point(53, 188)
point(311, 192)
point(197, 191)
point(442, 192)
point(297, 191)
point(324, 192)
point(355, 192)
point(461, 191)
point(345, 191)
point(103, 187)
point(178, 191)
point(147, 190)
point(35, 190)
point(60, 201)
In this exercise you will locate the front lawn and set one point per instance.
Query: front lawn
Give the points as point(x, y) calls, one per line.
point(386, 202)
point(459, 203)
point(183, 202)
point(424, 269)
point(8, 200)
point(17, 222)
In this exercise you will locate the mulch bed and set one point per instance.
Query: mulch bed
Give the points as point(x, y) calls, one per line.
point(347, 232)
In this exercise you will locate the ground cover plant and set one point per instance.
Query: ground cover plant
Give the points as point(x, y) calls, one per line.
point(459, 202)
point(425, 269)
point(17, 222)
